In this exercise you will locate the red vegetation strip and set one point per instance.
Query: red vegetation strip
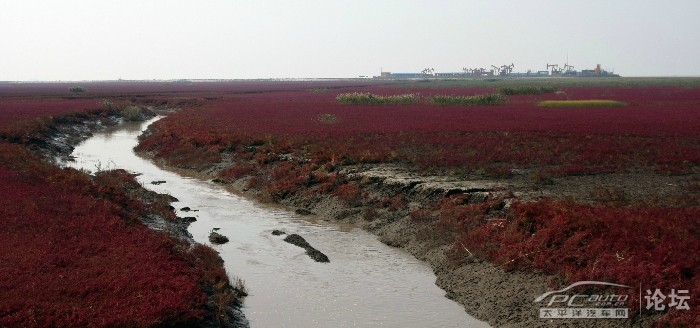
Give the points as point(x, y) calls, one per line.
point(662, 121)
point(657, 247)
point(660, 129)
point(72, 257)
point(20, 115)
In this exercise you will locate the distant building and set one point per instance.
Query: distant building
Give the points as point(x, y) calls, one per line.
point(458, 74)
point(504, 71)
point(406, 75)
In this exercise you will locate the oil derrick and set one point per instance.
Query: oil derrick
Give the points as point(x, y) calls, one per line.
point(474, 71)
point(506, 69)
point(554, 68)
point(569, 69)
point(480, 71)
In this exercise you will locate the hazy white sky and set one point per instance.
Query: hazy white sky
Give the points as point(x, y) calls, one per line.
point(154, 39)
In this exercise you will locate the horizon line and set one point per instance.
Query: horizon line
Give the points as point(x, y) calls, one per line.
point(321, 78)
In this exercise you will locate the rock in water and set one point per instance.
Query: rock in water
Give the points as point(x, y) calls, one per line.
point(317, 256)
point(297, 240)
point(217, 238)
point(313, 253)
point(189, 219)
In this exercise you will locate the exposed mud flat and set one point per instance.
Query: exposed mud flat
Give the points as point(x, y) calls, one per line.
point(525, 185)
point(61, 140)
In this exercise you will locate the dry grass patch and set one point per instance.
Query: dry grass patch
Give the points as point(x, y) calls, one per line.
point(581, 103)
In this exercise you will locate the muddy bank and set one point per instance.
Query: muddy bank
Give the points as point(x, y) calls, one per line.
point(366, 284)
point(504, 299)
point(57, 142)
point(55, 145)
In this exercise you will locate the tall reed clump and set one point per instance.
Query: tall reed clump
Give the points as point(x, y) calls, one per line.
point(477, 100)
point(366, 98)
point(128, 111)
point(527, 90)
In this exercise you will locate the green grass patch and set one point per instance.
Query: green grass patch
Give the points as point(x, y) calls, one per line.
point(78, 90)
point(366, 98)
point(477, 100)
point(581, 103)
point(527, 90)
point(327, 118)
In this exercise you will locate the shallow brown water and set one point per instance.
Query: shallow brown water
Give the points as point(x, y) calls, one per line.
point(366, 284)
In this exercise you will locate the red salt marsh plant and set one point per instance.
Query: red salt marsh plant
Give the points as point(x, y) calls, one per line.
point(631, 245)
point(658, 130)
point(517, 134)
point(20, 118)
point(75, 254)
